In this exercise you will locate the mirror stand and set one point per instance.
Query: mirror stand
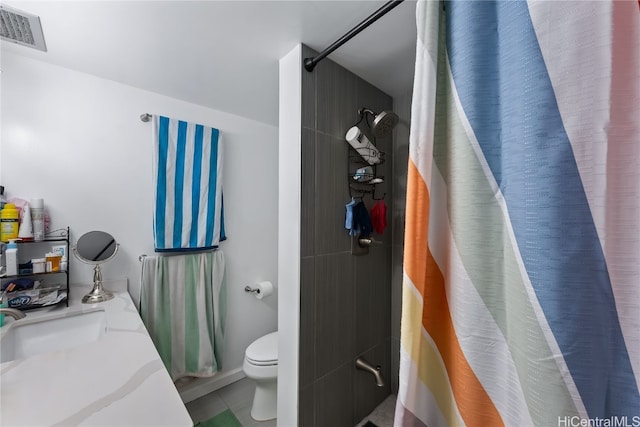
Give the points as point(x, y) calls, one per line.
point(98, 293)
point(95, 248)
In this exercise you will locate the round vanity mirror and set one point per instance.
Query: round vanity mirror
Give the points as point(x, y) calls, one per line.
point(95, 248)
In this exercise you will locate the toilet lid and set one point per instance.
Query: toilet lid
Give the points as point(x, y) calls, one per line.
point(264, 350)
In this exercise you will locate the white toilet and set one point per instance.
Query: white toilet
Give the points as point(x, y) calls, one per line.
point(261, 365)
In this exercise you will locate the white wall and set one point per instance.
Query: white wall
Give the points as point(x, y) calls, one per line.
point(77, 141)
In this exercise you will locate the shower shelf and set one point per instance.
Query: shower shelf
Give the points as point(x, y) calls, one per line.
point(364, 186)
point(356, 159)
point(359, 192)
point(361, 178)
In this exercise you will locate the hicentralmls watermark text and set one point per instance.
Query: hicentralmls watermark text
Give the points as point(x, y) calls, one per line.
point(615, 421)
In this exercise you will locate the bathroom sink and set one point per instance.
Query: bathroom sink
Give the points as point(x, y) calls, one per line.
point(29, 337)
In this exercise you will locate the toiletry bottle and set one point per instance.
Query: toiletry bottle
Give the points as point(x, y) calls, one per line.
point(53, 261)
point(3, 201)
point(9, 218)
point(37, 218)
point(25, 231)
point(2, 265)
point(12, 258)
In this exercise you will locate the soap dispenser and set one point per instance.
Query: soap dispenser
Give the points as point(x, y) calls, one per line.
point(12, 258)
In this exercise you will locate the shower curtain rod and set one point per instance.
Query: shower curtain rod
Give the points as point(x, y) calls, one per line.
point(310, 63)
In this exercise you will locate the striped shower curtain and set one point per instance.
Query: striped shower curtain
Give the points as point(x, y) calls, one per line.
point(521, 288)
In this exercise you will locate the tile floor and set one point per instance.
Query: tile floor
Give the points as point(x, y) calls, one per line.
point(383, 415)
point(237, 396)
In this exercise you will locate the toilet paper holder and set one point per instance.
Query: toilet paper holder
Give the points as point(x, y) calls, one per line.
point(260, 290)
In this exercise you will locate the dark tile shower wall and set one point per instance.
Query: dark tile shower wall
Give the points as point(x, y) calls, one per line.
point(345, 302)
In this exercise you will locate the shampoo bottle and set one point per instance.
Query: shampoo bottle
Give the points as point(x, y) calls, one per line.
point(12, 258)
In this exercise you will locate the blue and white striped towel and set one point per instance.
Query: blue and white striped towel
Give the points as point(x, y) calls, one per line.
point(187, 163)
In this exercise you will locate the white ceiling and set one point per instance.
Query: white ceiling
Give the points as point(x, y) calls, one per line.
point(220, 54)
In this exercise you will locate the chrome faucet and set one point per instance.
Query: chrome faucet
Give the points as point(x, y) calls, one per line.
point(16, 314)
point(366, 366)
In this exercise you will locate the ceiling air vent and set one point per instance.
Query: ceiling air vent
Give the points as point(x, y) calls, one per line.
point(21, 28)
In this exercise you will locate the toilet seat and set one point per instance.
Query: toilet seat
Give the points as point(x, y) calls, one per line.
point(262, 362)
point(263, 351)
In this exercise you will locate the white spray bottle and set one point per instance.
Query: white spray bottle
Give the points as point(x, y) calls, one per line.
point(12, 258)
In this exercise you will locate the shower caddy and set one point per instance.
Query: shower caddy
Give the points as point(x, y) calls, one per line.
point(363, 160)
point(366, 182)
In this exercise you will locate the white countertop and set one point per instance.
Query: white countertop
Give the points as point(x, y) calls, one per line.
point(118, 380)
